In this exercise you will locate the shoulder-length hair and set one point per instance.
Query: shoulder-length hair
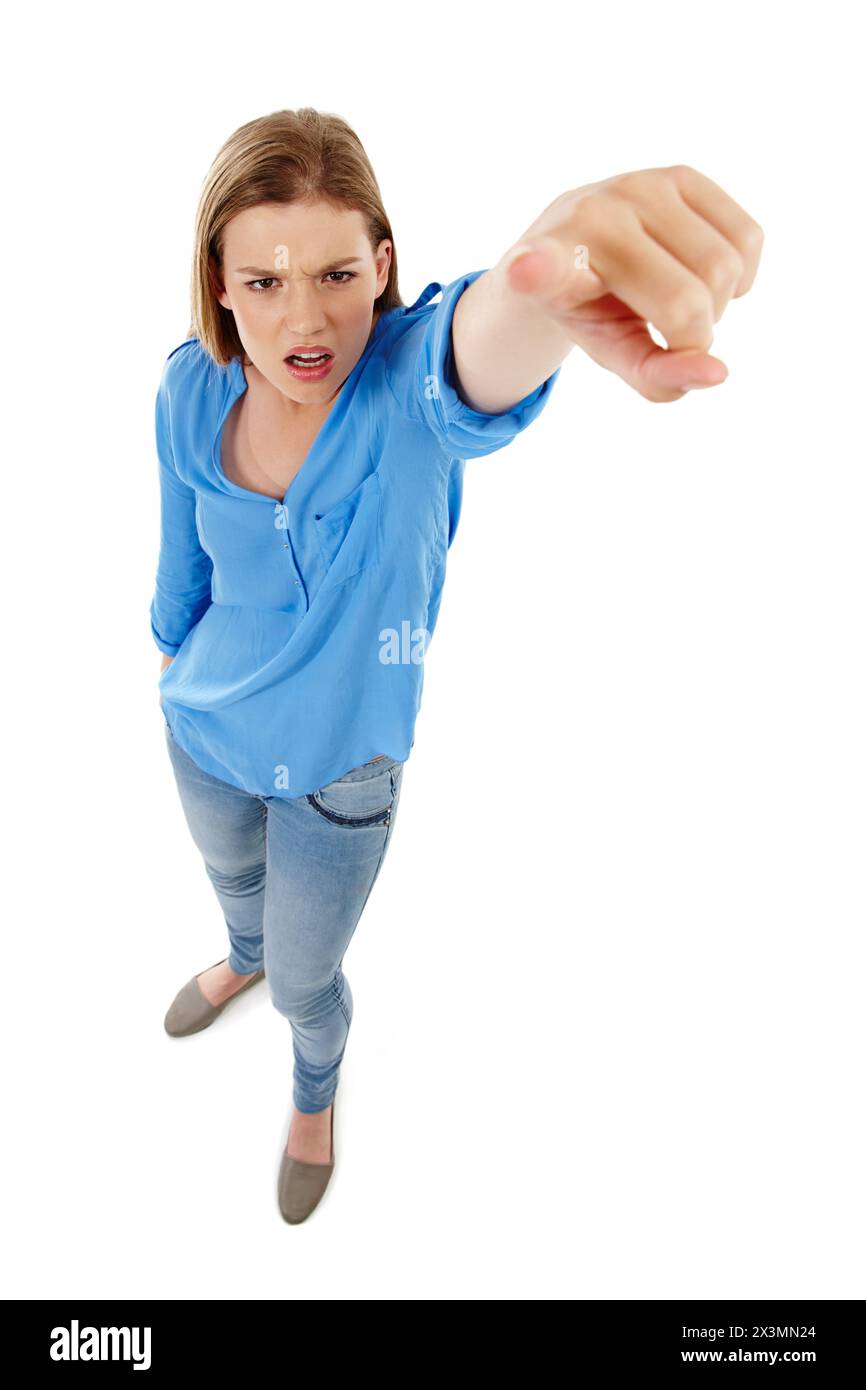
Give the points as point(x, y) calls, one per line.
point(286, 157)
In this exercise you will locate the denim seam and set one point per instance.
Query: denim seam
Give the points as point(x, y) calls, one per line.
point(339, 998)
point(351, 822)
point(389, 826)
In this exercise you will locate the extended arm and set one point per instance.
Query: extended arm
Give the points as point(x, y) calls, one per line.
point(662, 246)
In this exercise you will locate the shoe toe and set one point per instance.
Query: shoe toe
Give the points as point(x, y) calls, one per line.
point(301, 1187)
point(190, 1011)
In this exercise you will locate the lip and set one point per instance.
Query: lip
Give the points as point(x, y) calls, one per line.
point(309, 347)
point(310, 373)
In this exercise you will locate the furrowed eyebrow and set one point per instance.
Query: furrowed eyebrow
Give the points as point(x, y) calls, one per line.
point(266, 274)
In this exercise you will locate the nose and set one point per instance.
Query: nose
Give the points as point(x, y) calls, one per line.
point(304, 313)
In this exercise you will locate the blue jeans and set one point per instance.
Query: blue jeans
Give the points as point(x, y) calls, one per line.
point(292, 878)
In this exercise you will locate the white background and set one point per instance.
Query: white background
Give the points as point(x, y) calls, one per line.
point(608, 1033)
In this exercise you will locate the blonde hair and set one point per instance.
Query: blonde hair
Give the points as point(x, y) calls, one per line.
point(286, 157)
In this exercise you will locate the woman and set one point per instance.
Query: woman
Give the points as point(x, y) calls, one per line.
point(311, 436)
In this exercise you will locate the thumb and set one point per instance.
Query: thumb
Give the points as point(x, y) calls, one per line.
point(670, 373)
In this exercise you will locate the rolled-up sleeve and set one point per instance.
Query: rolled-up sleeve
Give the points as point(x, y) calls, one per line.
point(182, 591)
point(422, 376)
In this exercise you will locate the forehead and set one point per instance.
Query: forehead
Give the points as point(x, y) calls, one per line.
point(320, 227)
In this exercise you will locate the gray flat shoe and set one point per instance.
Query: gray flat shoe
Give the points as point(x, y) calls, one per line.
point(190, 1011)
point(301, 1186)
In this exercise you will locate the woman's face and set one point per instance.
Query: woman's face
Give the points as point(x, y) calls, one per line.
point(302, 275)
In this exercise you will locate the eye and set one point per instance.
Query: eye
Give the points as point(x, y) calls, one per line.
point(266, 284)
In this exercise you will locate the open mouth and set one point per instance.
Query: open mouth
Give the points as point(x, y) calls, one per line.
point(308, 360)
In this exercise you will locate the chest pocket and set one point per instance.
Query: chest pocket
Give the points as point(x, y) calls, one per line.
point(349, 533)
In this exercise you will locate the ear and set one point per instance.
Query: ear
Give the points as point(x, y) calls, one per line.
point(216, 284)
point(383, 250)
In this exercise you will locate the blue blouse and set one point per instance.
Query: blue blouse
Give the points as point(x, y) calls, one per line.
point(299, 627)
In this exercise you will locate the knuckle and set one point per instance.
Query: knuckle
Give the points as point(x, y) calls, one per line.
point(599, 213)
point(722, 273)
point(753, 238)
point(688, 310)
point(566, 201)
point(638, 183)
point(590, 216)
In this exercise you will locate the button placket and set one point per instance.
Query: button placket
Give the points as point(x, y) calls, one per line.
point(281, 523)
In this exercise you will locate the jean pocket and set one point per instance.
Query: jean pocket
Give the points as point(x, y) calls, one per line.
point(380, 758)
point(354, 804)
